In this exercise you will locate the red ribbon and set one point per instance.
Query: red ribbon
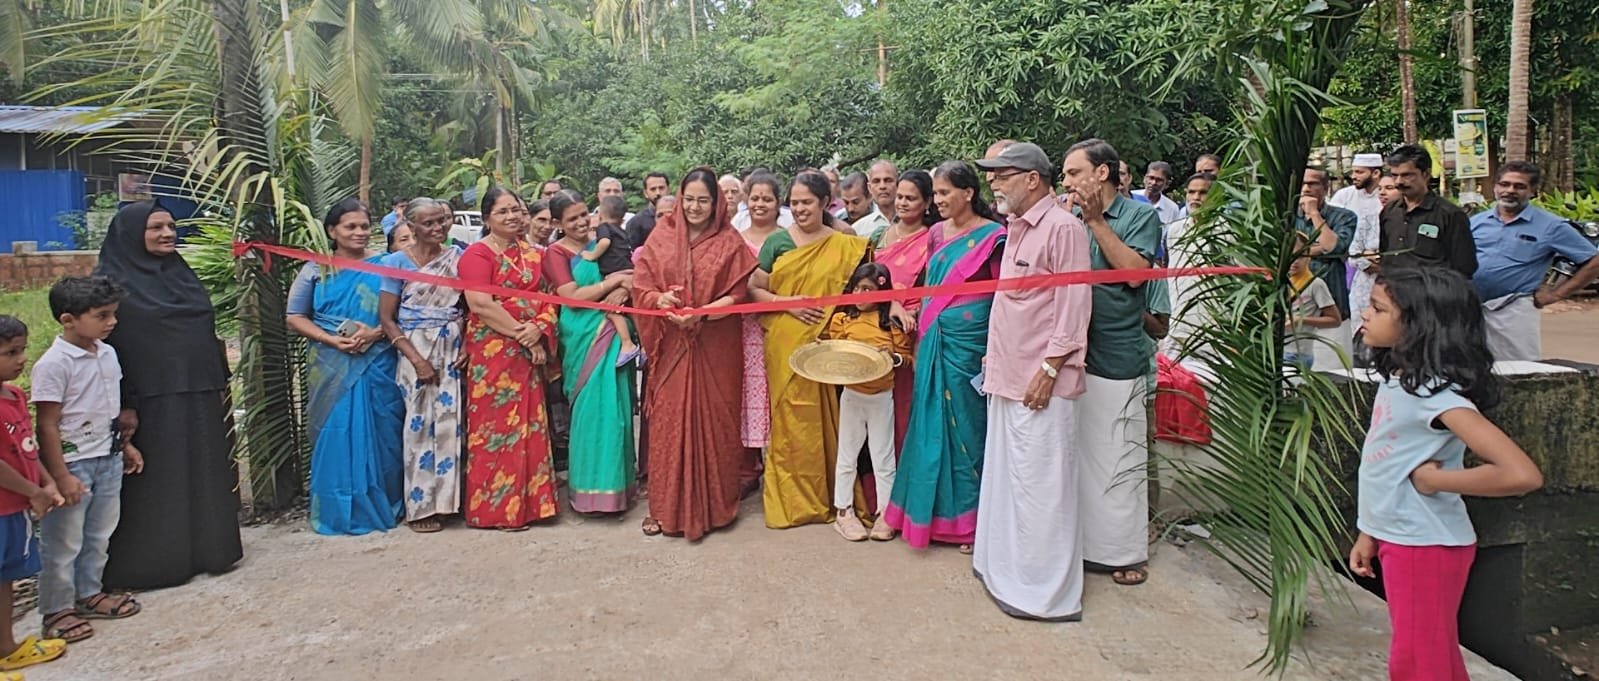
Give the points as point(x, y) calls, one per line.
point(965, 288)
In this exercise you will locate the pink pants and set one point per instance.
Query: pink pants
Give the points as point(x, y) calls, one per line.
point(1424, 586)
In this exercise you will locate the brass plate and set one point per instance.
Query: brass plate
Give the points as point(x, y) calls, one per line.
point(840, 362)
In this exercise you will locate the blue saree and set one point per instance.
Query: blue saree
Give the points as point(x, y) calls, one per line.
point(355, 409)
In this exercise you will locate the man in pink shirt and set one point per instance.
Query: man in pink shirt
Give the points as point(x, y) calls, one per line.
point(1026, 549)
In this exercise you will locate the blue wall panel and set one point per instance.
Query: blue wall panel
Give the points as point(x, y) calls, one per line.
point(31, 202)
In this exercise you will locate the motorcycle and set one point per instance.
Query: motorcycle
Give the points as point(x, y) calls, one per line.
point(1563, 268)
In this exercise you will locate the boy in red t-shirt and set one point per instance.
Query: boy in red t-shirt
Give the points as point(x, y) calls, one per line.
point(26, 494)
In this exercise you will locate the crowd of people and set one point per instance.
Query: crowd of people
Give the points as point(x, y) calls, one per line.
point(1012, 425)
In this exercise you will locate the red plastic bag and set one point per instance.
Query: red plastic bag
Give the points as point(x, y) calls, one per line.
point(1180, 404)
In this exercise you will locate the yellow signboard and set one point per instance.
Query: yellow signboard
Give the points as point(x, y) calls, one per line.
point(1471, 143)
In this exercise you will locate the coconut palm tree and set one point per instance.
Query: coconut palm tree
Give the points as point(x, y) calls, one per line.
point(1520, 66)
point(491, 47)
point(261, 156)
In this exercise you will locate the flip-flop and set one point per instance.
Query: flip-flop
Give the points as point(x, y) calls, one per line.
point(125, 607)
point(33, 650)
point(53, 629)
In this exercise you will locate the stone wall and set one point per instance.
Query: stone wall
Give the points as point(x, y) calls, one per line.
point(34, 270)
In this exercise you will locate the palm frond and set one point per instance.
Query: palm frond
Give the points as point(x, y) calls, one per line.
point(1268, 476)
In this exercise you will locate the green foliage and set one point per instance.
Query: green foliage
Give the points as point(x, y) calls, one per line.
point(1267, 477)
point(1368, 83)
point(32, 306)
point(1581, 205)
point(1053, 73)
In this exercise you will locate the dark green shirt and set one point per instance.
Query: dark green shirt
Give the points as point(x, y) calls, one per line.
point(1118, 348)
point(1329, 267)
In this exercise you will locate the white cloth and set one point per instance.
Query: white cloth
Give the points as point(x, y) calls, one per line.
point(1365, 205)
point(88, 386)
point(1166, 208)
point(1112, 444)
point(1186, 316)
point(1513, 327)
point(864, 419)
point(741, 221)
point(1028, 549)
point(871, 223)
point(1367, 239)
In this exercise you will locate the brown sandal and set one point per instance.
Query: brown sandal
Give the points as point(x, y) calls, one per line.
point(122, 607)
point(62, 625)
point(1131, 576)
point(427, 525)
point(651, 527)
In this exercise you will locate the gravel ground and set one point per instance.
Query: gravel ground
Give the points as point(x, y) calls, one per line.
point(587, 598)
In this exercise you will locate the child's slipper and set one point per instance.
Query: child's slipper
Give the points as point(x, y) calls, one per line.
point(626, 358)
point(32, 651)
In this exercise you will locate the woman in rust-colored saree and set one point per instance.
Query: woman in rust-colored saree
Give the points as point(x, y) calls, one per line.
point(693, 393)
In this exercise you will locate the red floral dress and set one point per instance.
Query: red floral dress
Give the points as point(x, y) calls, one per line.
point(509, 479)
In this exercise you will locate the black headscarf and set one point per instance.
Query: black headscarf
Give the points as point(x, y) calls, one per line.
point(166, 329)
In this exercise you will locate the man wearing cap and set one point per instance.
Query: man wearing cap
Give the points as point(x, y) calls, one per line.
point(1026, 551)
point(1360, 197)
point(1112, 437)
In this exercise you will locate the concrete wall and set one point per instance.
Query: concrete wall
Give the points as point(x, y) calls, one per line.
point(33, 270)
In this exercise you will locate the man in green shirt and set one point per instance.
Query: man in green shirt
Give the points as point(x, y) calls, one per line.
point(1112, 431)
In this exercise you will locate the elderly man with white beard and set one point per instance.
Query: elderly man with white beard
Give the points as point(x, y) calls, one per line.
point(1027, 551)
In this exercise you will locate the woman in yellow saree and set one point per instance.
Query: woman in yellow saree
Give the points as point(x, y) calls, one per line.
point(805, 260)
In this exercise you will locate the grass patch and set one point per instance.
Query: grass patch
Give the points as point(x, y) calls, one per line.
point(32, 306)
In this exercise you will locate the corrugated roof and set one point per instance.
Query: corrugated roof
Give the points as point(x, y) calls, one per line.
point(57, 119)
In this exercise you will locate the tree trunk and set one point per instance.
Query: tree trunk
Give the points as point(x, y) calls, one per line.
point(267, 371)
point(1520, 58)
point(643, 30)
point(1407, 77)
point(499, 138)
point(1562, 155)
point(365, 193)
point(693, 24)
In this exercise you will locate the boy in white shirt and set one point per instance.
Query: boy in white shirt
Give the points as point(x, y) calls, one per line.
point(84, 446)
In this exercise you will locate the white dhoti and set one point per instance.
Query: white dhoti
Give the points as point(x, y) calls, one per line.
point(1514, 328)
point(1112, 472)
point(1333, 346)
point(1028, 549)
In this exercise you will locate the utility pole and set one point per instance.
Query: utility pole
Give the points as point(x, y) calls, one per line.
point(1467, 28)
point(882, 51)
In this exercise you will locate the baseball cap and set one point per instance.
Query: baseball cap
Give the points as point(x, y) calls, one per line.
point(1021, 155)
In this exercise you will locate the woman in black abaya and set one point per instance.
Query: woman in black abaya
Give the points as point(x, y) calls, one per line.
point(180, 516)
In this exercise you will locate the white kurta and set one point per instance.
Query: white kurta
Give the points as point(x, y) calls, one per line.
point(1112, 482)
point(1027, 551)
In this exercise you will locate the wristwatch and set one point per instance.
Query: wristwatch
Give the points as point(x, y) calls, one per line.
point(1049, 370)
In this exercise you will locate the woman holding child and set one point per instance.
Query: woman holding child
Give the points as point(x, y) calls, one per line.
point(355, 409)
point(694, 258)
point(509, 480)
point(596, 378)
point(180, 517)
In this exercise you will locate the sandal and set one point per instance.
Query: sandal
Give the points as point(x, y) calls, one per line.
point(427, 525)
point(32, 651)
point(651, 527)
point(1132, 576)
point(966, 549)
point(518, 528)
point(62, 625)
point(122, 606)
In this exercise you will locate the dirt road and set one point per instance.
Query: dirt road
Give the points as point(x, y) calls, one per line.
point(594, 599)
